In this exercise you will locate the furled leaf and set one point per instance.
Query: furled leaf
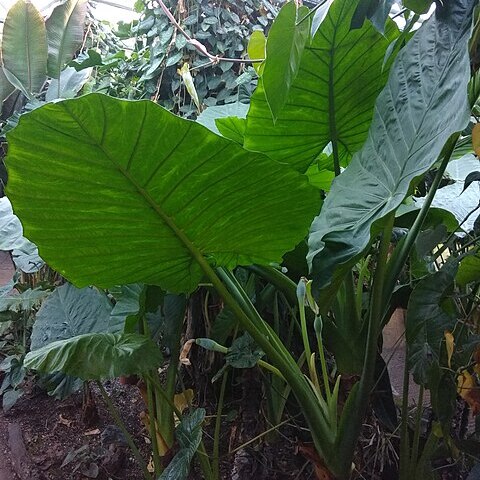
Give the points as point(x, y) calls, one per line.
point(325, 102)
point(96, 356)
point(427, 321)
point(285, 44)
point(24, 48)
point(125, 192)
point(450, 344)
point(71, 311)
point(188, 435)
point(256, 48)
point(424, 102)
point(64, 34)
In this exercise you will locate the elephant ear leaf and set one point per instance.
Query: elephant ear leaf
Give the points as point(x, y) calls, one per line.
point(135, 194)
point(96, 356)
point(324, 102)
point(24, 48)
point(422, 105)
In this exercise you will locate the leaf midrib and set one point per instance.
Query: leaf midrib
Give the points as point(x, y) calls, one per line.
point(196, 254)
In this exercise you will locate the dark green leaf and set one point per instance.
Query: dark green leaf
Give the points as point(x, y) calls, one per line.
point(24, 48)
point(285, 44)
point(96, 356)
point(375, 10)
point(70, 311)
point(64, 34)
point(92, 60)
point(126, 192)
point(427, 321)
point(418, 6)
point(189, 436)
point(244, 353)
point(325, 102)
point(471, 177)
point(424, 102)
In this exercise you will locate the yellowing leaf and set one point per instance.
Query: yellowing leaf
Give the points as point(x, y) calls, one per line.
point(476, 139)
point(184, 72)
point(256, 49)
point(450, 343)
point(183, 400)
point(469, 390)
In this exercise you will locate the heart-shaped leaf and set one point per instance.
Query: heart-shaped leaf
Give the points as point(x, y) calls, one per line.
point(331, 98)
point(96, 356)
point(121, 192)
point(424, 102)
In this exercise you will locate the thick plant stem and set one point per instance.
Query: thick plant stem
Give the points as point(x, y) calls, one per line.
point(218, 424)
point(152, 424)
point(351, 428)
point(282, 359)
point(404, 439)
point(416, 434)
point(119, 422)
point(403, 251)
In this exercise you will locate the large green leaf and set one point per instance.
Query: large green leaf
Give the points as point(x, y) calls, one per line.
point(424, 102)
point(427, 321)
point(64, 34)
point(24, 48)
point(69, 312)
point(332, 97)
point(96, 356)
point(376, 11)
point(285, 44)
point(122, 192)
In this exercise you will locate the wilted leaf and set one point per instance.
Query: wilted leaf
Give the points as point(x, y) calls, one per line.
point(469, 390)
point(476, 139)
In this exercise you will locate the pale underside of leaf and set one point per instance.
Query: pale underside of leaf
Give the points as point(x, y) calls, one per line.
point(424, 102)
